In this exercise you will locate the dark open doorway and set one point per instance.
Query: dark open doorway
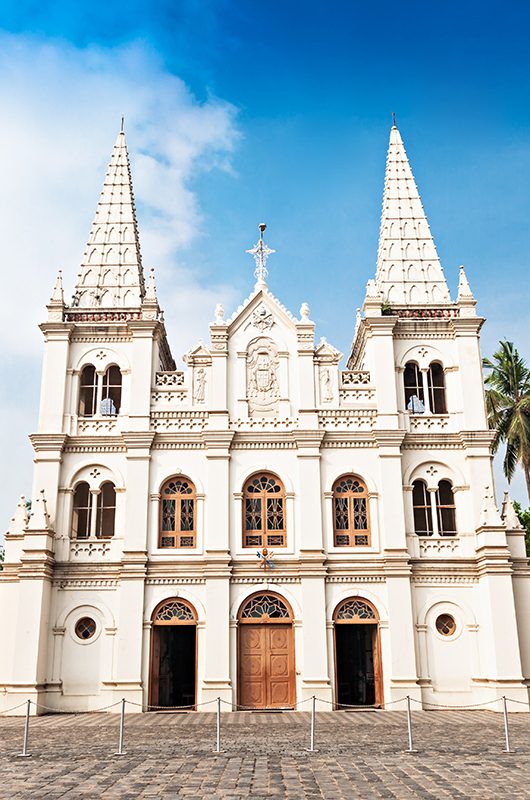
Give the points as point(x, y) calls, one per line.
point(174, 665)
point(354, 652)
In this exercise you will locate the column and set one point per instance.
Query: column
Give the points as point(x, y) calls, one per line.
point(315, 675)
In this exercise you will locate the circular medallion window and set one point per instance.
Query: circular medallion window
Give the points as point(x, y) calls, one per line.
point(445, 625)
point(85, 628)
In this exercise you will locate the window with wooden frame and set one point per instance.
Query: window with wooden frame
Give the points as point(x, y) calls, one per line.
point(111, 392)
point(413, 383)
point(178, 513)
point(351, 516)
point(88, 391)
point(445, 509)
point(264, 512)
point(422, 507)
point(94, 512)
point(436, 384)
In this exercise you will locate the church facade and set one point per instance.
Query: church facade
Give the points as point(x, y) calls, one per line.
point(263, 525)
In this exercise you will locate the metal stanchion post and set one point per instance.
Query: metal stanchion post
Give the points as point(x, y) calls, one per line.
point(24, 753)
point(506, 729)
point(409, 726)
point(218, 737)
point(122, 730)
point(312, 734)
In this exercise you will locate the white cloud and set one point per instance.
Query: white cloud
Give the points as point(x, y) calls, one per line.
point(61, 110)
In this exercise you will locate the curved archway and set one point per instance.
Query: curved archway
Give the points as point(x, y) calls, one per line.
point(266, 662)
point(357, 649)
point(173, 674)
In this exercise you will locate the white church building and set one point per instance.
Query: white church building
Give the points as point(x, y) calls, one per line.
point(263, 525)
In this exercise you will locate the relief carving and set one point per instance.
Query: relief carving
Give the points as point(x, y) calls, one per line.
point(263, 393)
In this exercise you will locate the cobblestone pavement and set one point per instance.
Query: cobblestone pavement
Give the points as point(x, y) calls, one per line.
point(360, 755)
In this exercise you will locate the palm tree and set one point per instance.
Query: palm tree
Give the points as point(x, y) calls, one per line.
point(508, 408)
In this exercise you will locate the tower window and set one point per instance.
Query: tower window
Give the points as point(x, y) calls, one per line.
point(445, 509)
point(111, 394)
point(421, 502)
point(436, 384)
point(106, 511)
point(177, 513)
point(88, 390)
point(413, 382)
point(82, 511)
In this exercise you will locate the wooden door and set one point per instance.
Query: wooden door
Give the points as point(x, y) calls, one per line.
point(266, 666)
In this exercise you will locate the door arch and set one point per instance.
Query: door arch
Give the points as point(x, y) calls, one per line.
point(173, 674)
point(357, 647)
point(266, 664)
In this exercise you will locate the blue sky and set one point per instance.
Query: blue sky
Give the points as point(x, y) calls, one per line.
point(238, 112)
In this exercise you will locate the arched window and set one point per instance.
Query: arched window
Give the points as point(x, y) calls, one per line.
point(82, 513)
point(177, 513)
point(445, 509)
point(436, 384)
point(421, 502)
point(413, 381)
point(351, 519)
point(111, 395)
point(264, 512)
point(88, 390)
point(106, 511)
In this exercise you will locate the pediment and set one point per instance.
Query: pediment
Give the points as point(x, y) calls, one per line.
point(200, 354)
point(325, 352)
point(261, 311)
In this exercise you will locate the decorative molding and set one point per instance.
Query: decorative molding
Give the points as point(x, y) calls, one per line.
point(174, 581)
point(355, 579)
point(86, 583)
point(445, 579)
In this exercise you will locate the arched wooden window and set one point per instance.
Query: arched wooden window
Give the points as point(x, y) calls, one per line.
point(111, 395)
point(436, 384)
point(421, 502)
point(105, 511)
point(355, 610)
point(88, 390)
point(445, 509)
point(264, 512)
point(351, 517)
point(178, 513)
point(82, 512)
point(413, 382)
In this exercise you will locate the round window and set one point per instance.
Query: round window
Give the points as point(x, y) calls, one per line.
point(445, 625)
point(85, 628)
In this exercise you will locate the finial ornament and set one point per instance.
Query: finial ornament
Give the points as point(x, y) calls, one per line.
point(122, 124)
point(394, 120)
point(219, 314)
point(304, 312)
point(261, 252)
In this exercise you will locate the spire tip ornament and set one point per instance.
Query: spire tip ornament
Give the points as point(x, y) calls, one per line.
point(261, 252)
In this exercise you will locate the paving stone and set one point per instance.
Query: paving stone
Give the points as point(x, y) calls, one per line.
point(265, 756)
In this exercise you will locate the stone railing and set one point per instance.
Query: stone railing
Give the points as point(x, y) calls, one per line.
point(175, 378)
point(354, 377)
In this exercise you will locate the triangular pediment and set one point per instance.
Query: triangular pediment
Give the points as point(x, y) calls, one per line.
point(326, 352)
point(261, 310)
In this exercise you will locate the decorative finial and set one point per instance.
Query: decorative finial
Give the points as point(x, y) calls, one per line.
point(394, 120)
point(261, 252)
point(150, 293)
point(219, 314)
point(304, 312)
point(122, 123)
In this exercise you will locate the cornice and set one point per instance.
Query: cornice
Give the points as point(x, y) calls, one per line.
point(48, 442)
point(138, 440)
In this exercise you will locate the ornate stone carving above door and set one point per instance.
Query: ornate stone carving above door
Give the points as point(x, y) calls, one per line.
point(263, 393)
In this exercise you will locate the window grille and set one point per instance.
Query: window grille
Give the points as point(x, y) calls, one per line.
point(351, 520)
point(265, 605)
point(264, 512)
point(178, 514)
point(174, 611)
point(356, 610)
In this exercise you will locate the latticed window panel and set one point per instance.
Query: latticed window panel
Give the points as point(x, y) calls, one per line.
point(264, 512)
point(177, 514)
point(85, 628)
point(350, 513)
point(174, 611)
point(265, 605)
point(356, 610)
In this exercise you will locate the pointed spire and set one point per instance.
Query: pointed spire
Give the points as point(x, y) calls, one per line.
point(358, 320)
point(39, 519)
point(58, 293)
point(151, 288)
point(19, 520)
point(408, 268)
point(111, 273)
point(508, 514)
point(466, 299)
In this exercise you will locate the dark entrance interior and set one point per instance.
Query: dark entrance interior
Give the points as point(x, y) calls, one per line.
point(355, 664)
point(175, 654)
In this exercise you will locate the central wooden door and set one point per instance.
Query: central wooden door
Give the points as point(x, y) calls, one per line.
point(266, 666)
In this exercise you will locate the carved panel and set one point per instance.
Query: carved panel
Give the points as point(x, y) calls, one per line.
point(263, 393)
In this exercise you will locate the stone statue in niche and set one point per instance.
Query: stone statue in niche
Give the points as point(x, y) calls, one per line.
point(263, 393)
point(200, 385)
point(326, 392)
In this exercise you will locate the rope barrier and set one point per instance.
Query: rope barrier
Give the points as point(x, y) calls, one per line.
point(424, 703)
point(7, 710)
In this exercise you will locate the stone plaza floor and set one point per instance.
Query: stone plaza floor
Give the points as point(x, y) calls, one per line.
point(264, 755)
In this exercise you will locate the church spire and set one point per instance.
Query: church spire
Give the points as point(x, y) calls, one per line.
point(111, 273)
point(408, 268)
